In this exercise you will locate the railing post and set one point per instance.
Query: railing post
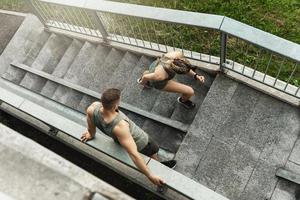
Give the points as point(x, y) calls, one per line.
point(36, 12)
point(98, 20)
point(223, 49)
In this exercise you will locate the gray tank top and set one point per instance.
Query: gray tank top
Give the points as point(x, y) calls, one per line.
point(138, 135)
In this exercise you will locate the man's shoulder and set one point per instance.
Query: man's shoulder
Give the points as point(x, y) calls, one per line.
point(92, 107)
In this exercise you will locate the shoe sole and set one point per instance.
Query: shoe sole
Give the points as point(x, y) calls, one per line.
point(139, 82)
point(187, 107)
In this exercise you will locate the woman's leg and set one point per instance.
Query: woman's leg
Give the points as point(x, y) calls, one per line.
point(186, 91)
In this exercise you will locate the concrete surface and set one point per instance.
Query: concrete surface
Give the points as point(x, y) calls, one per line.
point(30, 171)
point(238, 140)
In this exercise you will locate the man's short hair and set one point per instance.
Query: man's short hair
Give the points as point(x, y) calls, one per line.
point(110, 97)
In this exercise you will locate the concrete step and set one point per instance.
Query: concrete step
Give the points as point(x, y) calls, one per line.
point(136, 95)
point(85, 102)
point(105, 70)
point(170, 140)
point(9, 25)
point(89, 72)
point(16, 75)
point(124, 71)
point(21, 43)
point(209, 116)
point(137, 119)
point(65, 95)
point(47, 60)
point(62, 67)
point(184, 115)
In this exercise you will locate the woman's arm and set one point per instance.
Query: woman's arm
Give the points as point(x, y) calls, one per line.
point(196, 76)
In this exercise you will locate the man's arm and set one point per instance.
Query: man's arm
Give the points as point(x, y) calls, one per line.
point(91, 128)
point(122, 132)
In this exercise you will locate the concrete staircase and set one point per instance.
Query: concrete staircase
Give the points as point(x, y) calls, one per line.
point(97, 67)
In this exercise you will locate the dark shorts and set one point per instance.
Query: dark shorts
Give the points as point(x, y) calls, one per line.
point(159, 85)
point(151, 148)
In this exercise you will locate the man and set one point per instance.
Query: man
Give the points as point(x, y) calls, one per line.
point(107, 117)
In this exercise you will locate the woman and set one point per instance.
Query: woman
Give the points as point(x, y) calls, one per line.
point(163, 70)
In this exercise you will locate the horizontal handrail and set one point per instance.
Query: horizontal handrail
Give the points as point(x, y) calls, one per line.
point(261, 38)
point(160, 14)
point(251, 34)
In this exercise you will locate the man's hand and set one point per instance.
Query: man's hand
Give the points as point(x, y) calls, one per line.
point(156, 180)
point(86, 136)
point(200, 78)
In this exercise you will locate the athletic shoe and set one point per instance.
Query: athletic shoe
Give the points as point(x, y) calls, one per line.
point(170, 163)
point(187, 104)
point(139, 80)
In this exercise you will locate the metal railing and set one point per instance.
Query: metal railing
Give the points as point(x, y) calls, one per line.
point(215, 39)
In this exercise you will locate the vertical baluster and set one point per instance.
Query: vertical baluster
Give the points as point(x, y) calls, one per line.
point(282, 62)
point(42, 7)
point(154, 31)
point(84, 21)
point(141, 34)
point(38, 12)
point(133, 31)
point(257, 62)
point(70, 19)
point(297, 91)
point(120, 29)
point(91, 23)
point(77, 20)
point(51, 11)
point(64, 18)
point(147, 33)
point(292, 74)
point(267, 68)
point(247, 48)
point(58, 18)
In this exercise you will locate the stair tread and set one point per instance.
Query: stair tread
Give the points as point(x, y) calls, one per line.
point(184, 115)
point(48, 58)
point(68, 96)
point(16, 75)
point(62, 67)
point(123, 71)
point(133, 93)
point(106, 69)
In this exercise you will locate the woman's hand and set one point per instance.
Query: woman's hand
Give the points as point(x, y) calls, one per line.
point(201, 79)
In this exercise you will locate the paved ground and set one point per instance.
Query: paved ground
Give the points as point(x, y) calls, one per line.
point(30, 171)
point(238, 140)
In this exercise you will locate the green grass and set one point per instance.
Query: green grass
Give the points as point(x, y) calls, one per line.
point(279, 17)
point(14, 5)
